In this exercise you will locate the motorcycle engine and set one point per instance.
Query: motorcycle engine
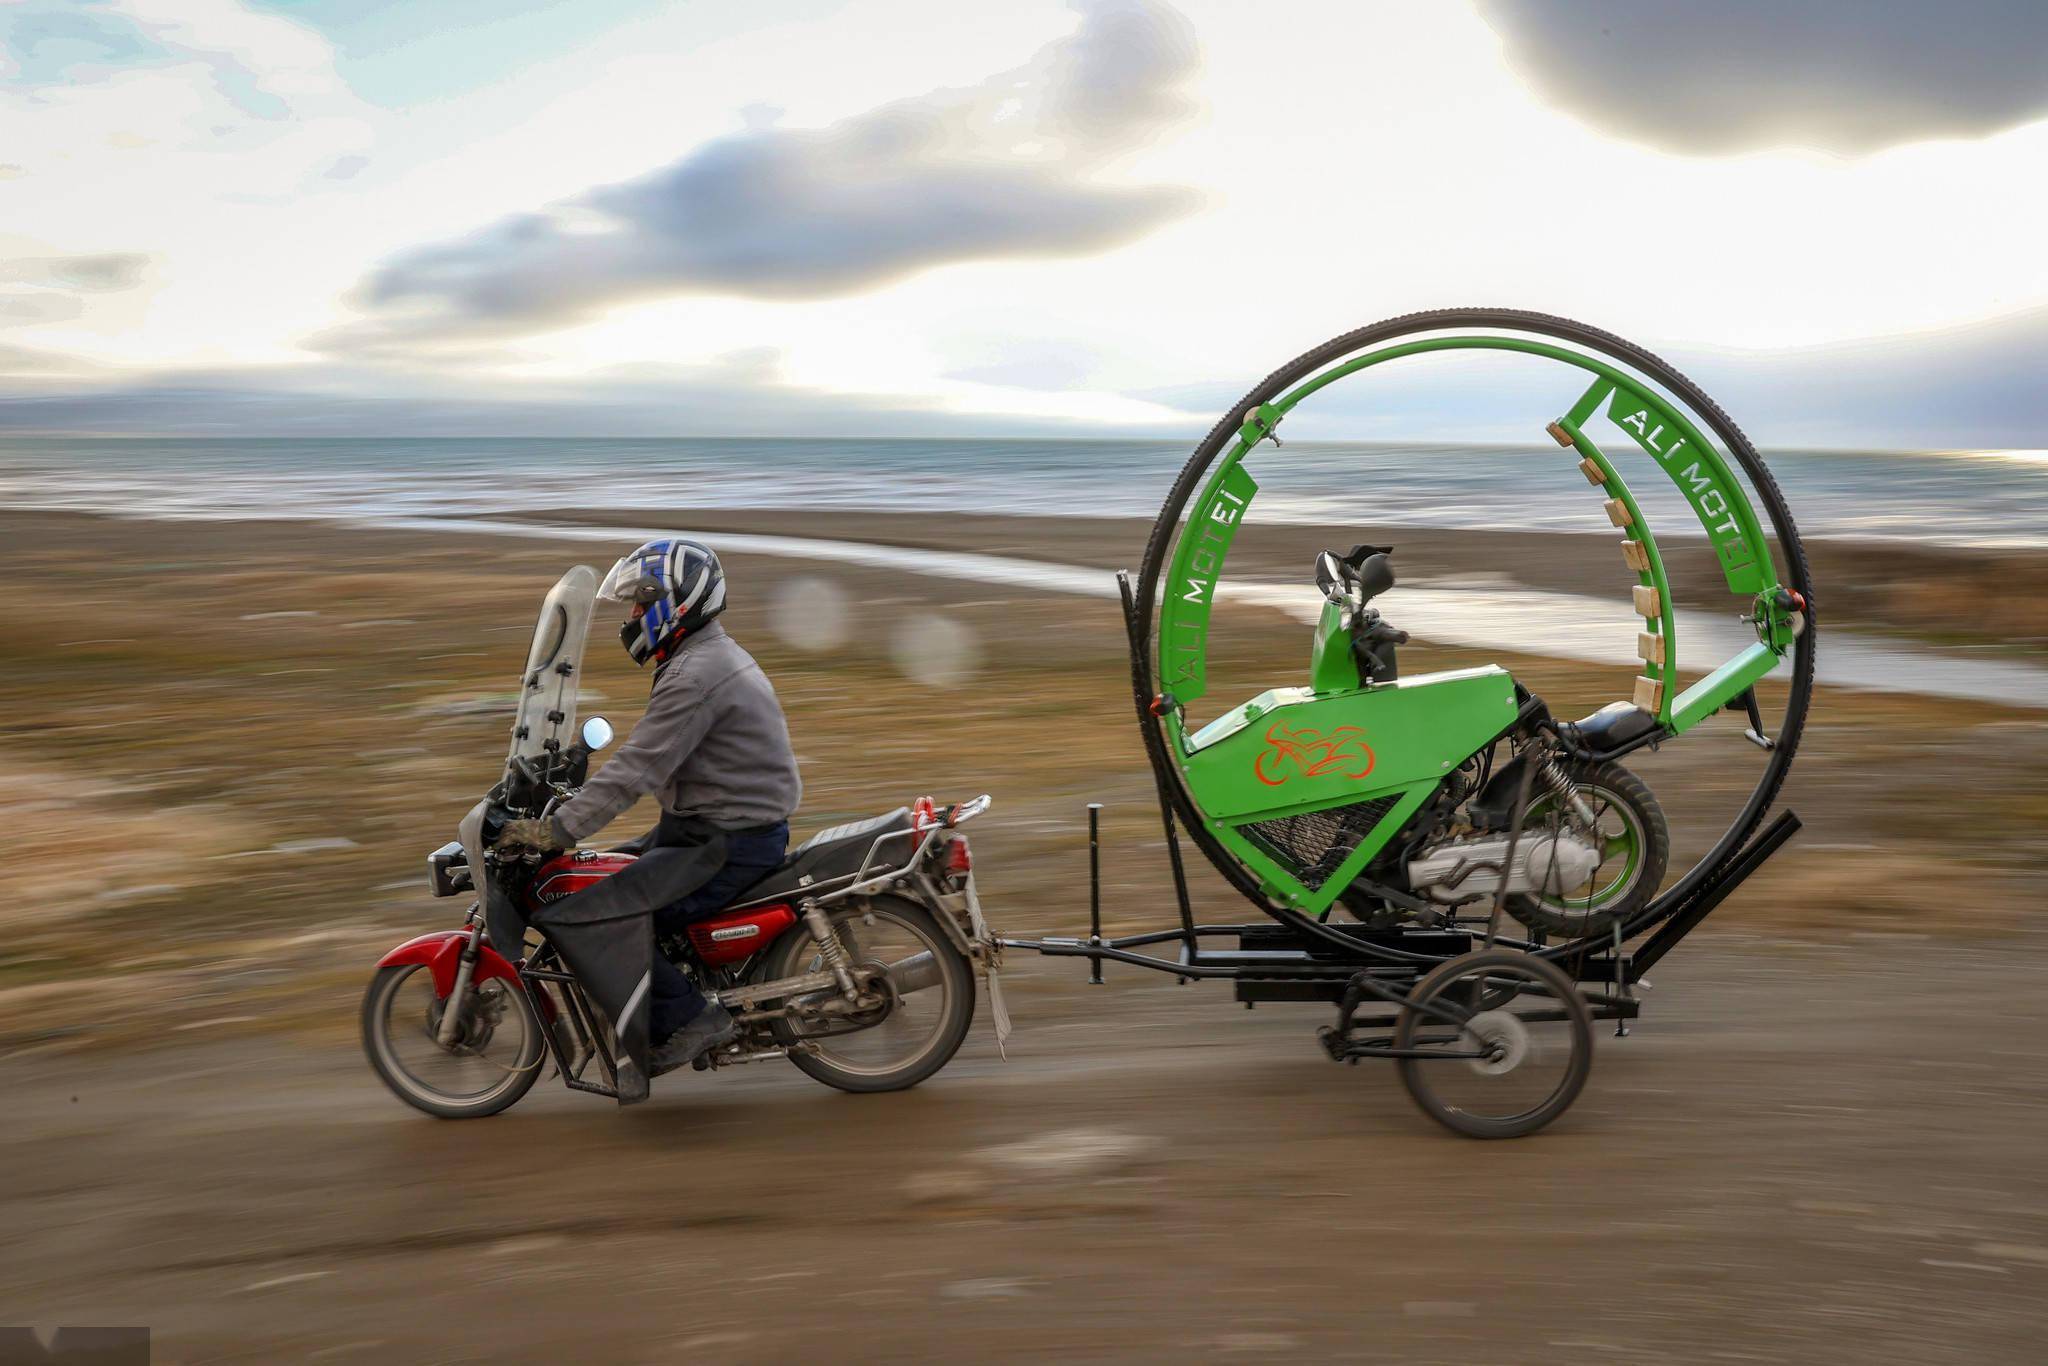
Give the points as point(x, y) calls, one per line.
point(1546, 861)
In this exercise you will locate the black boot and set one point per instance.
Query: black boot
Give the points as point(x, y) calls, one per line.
point(712, 1027)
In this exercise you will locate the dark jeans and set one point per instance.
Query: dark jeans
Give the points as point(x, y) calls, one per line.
point(750, 855)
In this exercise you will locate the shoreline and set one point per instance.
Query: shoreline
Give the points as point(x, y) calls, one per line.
point(1920, 591)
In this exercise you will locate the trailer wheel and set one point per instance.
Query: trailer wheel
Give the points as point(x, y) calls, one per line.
point(1499, 1043)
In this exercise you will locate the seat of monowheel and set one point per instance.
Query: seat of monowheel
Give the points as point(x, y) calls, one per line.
point(1617, 723)
point(837, 852)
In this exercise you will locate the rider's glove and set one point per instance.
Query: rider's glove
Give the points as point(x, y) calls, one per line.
point(536, 836)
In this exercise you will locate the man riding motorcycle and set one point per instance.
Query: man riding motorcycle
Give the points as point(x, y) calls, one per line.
point(713, 743)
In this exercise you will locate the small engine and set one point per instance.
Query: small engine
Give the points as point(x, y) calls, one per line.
point(1545, 862)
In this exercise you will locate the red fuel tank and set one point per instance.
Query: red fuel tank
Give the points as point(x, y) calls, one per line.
point(739, 934)
point(572, 872)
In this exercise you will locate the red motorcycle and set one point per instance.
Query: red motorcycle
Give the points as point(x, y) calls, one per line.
point(856, 959)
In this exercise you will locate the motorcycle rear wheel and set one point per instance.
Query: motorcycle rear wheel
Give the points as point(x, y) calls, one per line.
point(918, 1036)
point(398, 1023)
point(1635, 845)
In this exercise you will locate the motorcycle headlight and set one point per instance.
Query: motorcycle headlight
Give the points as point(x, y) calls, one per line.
point(448, 870)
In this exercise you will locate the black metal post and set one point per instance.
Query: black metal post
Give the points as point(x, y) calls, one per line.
point(1095, 890)
point(1714, 893)
point(1180, 873)
point(1180, 881)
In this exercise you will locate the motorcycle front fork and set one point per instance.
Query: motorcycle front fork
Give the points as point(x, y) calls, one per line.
point(458, 995)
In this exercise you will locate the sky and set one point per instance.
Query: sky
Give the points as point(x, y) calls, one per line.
point(915, 217)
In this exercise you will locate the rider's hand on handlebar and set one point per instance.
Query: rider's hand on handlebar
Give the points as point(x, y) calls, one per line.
point(532, 836)
point(1380, 633)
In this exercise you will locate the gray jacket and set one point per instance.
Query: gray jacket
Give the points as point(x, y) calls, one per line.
point(712, 742)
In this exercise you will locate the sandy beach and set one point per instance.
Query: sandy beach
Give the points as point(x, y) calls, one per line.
point(258, 729)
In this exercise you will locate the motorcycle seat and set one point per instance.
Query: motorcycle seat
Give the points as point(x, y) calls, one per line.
point(1615, 724)
point(835, 853)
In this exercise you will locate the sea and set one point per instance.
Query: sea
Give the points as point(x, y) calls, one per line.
point(1959, 498)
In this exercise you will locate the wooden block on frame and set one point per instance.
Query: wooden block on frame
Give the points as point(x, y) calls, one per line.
point(1637, 554)
point(1648, 604)
point(1594, 474)
point(1650, 647)
point(1617, 512)
point(1649, 694)
point(1559, 434)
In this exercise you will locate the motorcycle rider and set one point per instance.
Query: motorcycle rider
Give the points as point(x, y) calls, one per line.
point(713, 743)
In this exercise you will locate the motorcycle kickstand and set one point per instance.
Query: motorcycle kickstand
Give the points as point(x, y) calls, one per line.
point(1621, 986)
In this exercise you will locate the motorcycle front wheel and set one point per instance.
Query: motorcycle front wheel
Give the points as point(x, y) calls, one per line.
point(494, 1060)
point(931, 999)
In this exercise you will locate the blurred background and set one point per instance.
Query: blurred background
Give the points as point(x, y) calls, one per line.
point(331, 333)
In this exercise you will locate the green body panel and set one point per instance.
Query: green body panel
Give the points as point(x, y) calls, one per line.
point(1698, 471)
point(1332, 667)
point(1290, 749)
point(1720, 687)
point(1294, 750)
point(1191, 582)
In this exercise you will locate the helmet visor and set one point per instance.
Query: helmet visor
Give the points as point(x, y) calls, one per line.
point(633, 582)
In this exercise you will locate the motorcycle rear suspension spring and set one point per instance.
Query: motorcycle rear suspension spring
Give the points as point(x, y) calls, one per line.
point(829, 948)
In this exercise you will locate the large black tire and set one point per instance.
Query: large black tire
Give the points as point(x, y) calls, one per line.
point(379, 1047)
point(1632, 800)
point(1488, 968)
point(956, 979)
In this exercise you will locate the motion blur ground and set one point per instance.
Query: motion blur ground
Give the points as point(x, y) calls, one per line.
point(1799, 1157)
point(1819, 1140)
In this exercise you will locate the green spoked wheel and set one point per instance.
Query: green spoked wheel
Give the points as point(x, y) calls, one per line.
point(1625, 824)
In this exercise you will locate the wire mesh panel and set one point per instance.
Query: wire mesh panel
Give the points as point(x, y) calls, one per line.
point(1315, 844)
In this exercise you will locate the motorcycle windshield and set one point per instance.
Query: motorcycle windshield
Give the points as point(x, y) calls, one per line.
point(544, 723)
point(546, 720)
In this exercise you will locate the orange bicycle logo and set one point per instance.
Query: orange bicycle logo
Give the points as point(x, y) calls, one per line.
point(1312, 754)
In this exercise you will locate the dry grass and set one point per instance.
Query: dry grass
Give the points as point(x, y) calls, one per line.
point(81, 843)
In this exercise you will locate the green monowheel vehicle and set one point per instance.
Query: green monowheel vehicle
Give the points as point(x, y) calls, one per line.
point(1471, 879)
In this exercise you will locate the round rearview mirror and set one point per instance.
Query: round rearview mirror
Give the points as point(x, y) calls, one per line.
point(597, 733)
point(1375, 577)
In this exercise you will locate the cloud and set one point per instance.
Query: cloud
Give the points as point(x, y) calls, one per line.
point(42, 366)
point(58, 281)
point(741, 394)
point(157, 102)
point(263, 63)
point(104, 273)
point(1963, 388)
point(1012, 167)
point(1845, 76)
point(33, 308)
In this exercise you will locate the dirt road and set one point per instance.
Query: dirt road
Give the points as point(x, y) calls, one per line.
point(1803, 1154)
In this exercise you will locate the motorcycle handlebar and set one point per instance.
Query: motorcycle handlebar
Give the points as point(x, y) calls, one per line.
point(1364, 569)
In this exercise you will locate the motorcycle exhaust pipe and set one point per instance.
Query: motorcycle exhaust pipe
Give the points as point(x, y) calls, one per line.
point(918, 972)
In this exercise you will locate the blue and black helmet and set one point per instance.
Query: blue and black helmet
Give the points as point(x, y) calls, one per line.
point(681, 585)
